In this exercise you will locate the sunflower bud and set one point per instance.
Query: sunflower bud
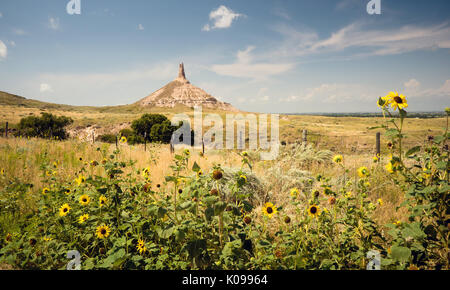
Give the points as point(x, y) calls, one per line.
point(147, 187)
point(214, 191)
point(217, 174)
point(316, 193)
point(247, 219)
point(332, 200)
point(287, 219)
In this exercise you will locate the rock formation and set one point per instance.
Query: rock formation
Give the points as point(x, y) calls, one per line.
point(181, 91)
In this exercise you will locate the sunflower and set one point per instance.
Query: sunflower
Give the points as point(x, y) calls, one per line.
point(123, 139)
point(244, 178)
point(47, 239)
point(103, 200)
point(141, 246)
point(81, 179)
point(83, 218)
point(425, 172)
point(338, 159)
point(314, 211)
point(363, 172)
point(8, 238)
point(295, 192)
point(67, 191)
point(2, 171)
point(376, 159)
point(45, 190)
point(146, 172)
point(199, 173)
point(383, 101)
point(103, 231)
point(380, 202)
point(389, 168)
point(397, 101)
point(94, 163)
point(64, 210)
point(269, 209)
point(85, 199)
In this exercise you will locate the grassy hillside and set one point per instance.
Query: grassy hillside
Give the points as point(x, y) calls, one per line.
point(346, 134)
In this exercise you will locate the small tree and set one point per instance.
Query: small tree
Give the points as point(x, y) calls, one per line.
point(45, 126)
point(154, 128)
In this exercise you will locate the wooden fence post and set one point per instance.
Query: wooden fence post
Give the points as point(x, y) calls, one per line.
point(203, 146)
point(116, 142)
point(6, 130)
point(145, 141)
point(378, 138)
point(305, 137)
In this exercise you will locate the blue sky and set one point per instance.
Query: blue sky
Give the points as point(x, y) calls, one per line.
point(266, 56)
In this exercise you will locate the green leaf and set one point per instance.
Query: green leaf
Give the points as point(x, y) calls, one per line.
point(413, 230)
point(210, 200)
point(166, 233)
point(196, 247)
point(185, 205)
point(401, 254)
point(413, 150)
point(219, 207)
point(195, 167)
point(102, 190)
point(179, 235)
point(209, 213)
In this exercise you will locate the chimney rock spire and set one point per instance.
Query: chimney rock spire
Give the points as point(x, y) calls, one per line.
point(181, 74)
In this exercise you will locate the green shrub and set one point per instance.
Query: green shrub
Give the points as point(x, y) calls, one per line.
point(46, 126)
point(107, 138)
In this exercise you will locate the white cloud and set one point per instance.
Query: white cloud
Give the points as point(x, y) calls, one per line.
point(262, 91)
point(374, 41)
point(3, 50)
point(53, 23)
point(1, 15)
point(412, 84)
point(281, 12)
point(140, 27)
point(18, 31)
point(442, 91)
point(265, 98)
point(45, 88)
point(104, 88)
point(245, 67)
point(221, 18)
point(332, 93)
point(11, 43)
point(206, 27)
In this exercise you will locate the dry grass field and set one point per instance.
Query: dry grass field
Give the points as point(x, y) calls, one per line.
point(50, 164)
